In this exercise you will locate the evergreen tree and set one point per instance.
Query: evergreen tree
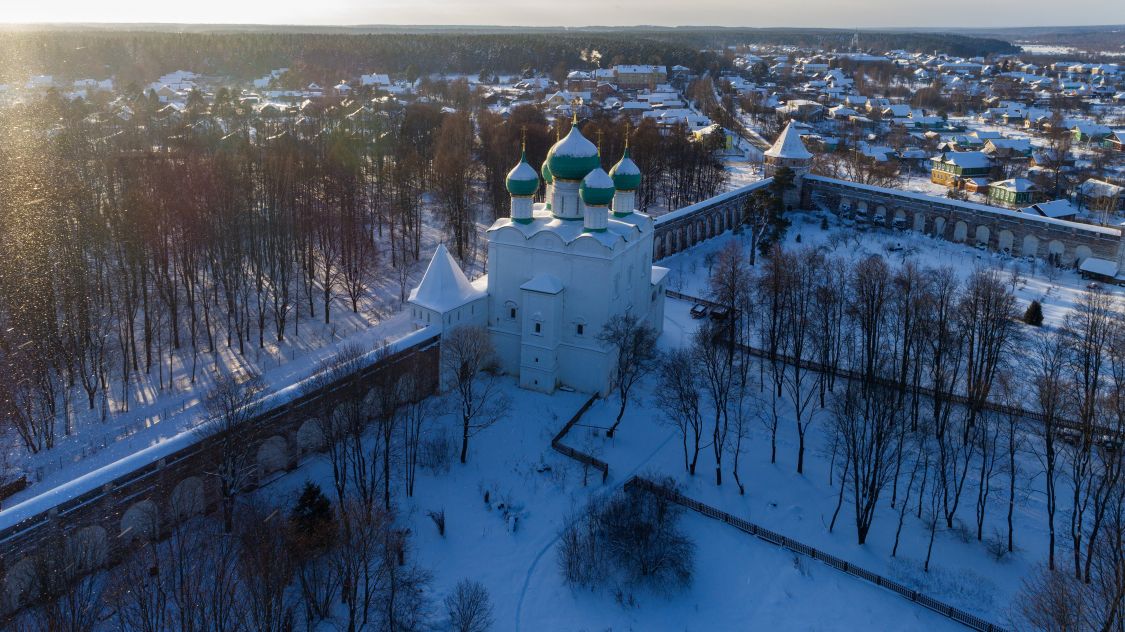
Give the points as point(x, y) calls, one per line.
point(1034, 314)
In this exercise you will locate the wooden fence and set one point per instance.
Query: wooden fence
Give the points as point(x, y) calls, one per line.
point(956, 614)
point(565, 450)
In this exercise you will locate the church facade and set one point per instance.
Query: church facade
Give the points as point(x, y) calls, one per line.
point(558, 271)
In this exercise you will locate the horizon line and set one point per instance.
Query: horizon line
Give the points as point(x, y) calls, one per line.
point(65, 24)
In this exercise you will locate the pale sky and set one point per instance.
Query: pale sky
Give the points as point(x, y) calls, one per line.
point(754, 13)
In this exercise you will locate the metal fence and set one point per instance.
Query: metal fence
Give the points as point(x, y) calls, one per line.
point(775, 538)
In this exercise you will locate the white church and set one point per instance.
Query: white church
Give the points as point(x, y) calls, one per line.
point(558, 271)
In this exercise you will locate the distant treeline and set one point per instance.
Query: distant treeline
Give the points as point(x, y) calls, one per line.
point(143, 55)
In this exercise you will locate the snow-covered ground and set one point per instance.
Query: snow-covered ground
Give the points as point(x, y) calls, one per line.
point(1056, 289)
point(740, 582)
point(158, 414)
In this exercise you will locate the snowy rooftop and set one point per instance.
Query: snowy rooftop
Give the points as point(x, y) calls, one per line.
point(789, 144)
point(617, 231)
point(544, 283)
point(1101, 267)
point(444, 286)
point(965, 159)
point(1054, 208)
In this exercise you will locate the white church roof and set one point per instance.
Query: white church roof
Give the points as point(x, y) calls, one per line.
point(789, 144)
point(444, 286)
point(618, 229)
point(544, 284)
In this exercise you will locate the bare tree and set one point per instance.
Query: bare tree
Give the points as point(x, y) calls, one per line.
point(866, 424)
point(417, 413)
point(358, 561)
point(468, 607)
point(633, 341)
point(469, 364)
point(232, 403)
point(677, 396)
point(799, 380)
point(1049, 360)
point(266, 566)
point(1089, 329)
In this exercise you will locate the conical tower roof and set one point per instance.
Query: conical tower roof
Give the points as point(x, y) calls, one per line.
point(789, 144)
point(444, 286)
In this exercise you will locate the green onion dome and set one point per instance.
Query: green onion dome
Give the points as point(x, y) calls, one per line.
point(573, 157)
point(522, 179)
point(548, 177)
point(626, 175)
point(597, 188)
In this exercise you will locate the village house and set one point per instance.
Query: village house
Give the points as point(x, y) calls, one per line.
point(1012, 192)
point(952, 168)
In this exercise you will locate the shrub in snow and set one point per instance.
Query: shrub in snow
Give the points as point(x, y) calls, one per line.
point(439, 519)
point(436, 453)
point(1034, 314)
point(996, 545)
point(633, 537)
point(468, 607)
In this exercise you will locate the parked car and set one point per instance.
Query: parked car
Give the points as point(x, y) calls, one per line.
point(699, 310)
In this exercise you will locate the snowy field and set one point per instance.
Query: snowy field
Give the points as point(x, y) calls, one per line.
point(1056, 289)
point(740, 582)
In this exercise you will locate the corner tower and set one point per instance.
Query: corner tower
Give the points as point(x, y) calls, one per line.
point(789, 151)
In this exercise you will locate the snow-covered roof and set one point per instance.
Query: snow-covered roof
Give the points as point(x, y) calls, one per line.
point(444, 286)
point(619, 230)
point(965, 159)
point(544, 284)
point(789, 144)
point(1100, 267)
point(1018, 185)
point(1099, 188)
point(1054, 208)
